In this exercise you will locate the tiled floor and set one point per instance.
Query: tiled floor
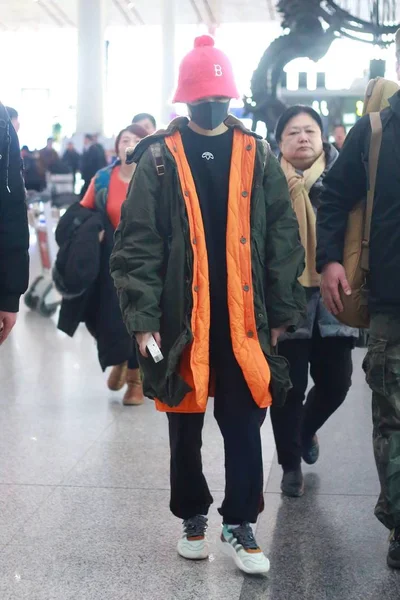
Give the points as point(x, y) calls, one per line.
point(84, 494)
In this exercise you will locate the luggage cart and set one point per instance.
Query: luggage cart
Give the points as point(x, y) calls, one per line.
point(44, 213)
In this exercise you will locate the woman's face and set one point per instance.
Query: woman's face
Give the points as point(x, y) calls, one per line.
point(128, 140)
point(301, 144)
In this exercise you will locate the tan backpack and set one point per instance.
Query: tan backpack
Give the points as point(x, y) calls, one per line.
point(357, 238)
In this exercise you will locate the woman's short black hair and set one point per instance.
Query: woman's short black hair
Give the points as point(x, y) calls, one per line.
point(143, 117)
point(137, 130)
point(294, 111)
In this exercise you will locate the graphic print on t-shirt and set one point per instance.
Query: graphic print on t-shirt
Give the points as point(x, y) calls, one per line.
point(209, 159)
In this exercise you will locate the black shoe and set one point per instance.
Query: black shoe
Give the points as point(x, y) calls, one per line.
point(311, 451)
point(293, 483)
point(393, 558)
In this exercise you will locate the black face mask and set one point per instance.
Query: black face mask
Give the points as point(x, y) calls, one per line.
point(209, 115)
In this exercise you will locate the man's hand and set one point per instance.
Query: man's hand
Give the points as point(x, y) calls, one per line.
point(276, 334)
point(7, 322)
point(143, 340)
point(334, 277)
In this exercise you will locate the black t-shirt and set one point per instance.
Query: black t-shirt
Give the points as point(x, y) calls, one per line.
point(209, 159)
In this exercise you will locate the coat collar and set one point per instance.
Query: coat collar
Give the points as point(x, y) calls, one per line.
point(175, 125)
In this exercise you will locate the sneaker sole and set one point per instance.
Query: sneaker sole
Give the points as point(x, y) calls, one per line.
point(193, 550)
point(293, 494)
point(228, 550)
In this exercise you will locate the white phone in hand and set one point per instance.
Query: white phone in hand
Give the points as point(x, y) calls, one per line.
point(154, 350)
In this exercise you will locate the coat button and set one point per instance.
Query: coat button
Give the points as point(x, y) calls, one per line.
point(175, 149)
point(250, 334)
point(243, 240)
point(249, 147)
point(246, 288)
point(245, 194)
point(260, 316)
point(196, 288)
point(186, 193)
point(194, 241)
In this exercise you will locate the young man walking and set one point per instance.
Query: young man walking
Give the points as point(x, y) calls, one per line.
point(345, 185)
point(207, 259)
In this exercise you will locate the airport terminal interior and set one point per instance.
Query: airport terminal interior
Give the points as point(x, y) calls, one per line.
point(84, 480)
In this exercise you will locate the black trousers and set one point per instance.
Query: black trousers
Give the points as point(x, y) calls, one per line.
point(240, 420)
point(331, 369)
point(133, 362)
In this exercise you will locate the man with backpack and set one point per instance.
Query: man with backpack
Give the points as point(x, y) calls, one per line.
point(373, 166)
point(14, 232)
point(206, 264)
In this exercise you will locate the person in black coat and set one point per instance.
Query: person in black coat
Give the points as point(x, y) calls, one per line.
point(72, 159)
point(14, 232)
point(34, 178)
point(93, 159)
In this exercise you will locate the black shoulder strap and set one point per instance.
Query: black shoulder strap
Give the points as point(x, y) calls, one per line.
point(158, 158)
point(373, 159)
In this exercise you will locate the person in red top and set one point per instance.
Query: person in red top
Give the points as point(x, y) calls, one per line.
point(121, 175)
point(108, 189)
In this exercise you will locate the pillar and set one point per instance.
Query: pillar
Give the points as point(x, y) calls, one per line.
point(212, 25)
point(91, 65)
point(168, 59)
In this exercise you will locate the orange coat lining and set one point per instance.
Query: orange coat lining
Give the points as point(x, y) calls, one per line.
point(246, 346)
point(195, 362)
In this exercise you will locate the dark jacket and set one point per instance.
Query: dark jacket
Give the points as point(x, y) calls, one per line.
point(345, 185)
point(14, 232)
point(93, 159)
point(78, 260)
point(48, 159)
point(72, 158)
point(34, 177)
point(83, 278)
point(154, 270)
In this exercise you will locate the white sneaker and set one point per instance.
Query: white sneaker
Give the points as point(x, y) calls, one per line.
point(193, 543)
point(240, 544)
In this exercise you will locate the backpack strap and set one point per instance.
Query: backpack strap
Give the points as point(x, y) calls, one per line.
point(158, 159)
point(373, 159)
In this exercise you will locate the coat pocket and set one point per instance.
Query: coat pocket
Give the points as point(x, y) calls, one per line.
point(374, 366)
point(161, 380)
point(280, 379)
point(174, 388)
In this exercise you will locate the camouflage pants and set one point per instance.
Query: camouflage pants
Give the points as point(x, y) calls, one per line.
point(382, 367)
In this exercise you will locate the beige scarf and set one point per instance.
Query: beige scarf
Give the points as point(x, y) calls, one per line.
point(299, 187)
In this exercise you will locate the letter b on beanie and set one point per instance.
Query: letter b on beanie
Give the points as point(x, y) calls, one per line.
point(205, 72)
